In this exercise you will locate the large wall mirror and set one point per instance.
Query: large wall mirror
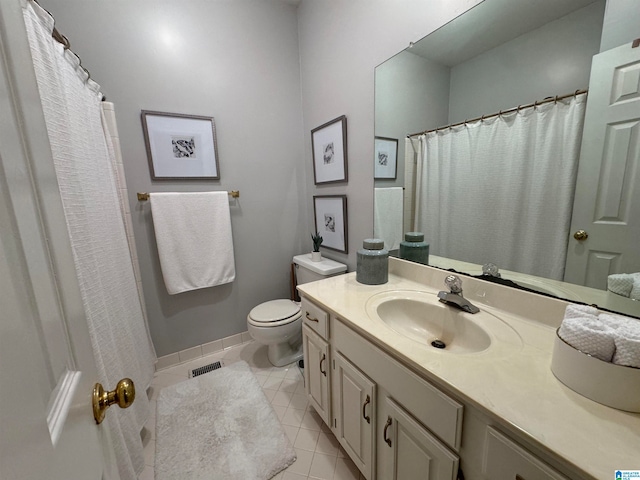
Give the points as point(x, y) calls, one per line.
point(502, 159)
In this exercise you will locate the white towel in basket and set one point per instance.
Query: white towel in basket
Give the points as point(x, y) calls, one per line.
point(625, 284)
point(627, 341)
point(588, 333)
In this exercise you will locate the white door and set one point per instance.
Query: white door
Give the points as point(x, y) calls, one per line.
point(47, 371)
point(607, 200)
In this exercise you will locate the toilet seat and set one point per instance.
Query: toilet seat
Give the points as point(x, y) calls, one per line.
point(274, 313)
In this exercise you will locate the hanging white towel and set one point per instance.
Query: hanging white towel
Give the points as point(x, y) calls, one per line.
point(387, 207)
point(195, 244)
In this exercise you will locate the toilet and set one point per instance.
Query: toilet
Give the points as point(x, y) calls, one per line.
point(278, 323)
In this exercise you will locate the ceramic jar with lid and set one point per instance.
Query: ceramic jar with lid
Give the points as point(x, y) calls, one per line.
point(372, 263)
point(414, 248)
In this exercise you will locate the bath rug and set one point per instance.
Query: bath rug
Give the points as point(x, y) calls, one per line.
point(219, 425)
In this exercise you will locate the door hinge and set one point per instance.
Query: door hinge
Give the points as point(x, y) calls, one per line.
point(334, 364)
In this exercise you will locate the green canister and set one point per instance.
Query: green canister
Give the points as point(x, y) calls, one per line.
point(414, 248)
point(372, 263)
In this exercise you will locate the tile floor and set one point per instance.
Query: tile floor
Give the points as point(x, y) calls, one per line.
point(319, 453)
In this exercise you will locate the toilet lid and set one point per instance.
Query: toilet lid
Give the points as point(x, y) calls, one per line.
point(274, 311)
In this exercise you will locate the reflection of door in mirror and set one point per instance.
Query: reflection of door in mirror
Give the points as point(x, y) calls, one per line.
point(497, 56)
point(610, 168)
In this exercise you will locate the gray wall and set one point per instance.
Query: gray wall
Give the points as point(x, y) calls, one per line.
point(621, 23)
point(341, 43)
point(552, 60)
point(405, 103)
point(237, 61)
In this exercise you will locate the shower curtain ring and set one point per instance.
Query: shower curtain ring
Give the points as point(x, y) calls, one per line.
point(535, 105)
point(556, 100)
point(576, 93)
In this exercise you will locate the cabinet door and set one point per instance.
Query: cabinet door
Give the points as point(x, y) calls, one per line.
point(354, 407)
point(504, 458)
point(316, 371)
point(407, 451)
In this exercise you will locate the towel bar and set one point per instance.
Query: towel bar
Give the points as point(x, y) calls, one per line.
point(143, 196)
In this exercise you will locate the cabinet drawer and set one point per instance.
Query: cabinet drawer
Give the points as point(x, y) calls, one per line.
point(433, 408)
point(505, 459)
point(315, 318)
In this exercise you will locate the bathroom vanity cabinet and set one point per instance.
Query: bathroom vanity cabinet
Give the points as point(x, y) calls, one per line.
point(397, 422)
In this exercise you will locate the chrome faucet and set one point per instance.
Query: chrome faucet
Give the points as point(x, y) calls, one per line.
point(454, 296)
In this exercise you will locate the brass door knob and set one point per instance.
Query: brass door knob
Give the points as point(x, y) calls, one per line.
point(123, 395)
point(580, 235)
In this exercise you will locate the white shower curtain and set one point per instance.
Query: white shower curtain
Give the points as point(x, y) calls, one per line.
point(501, 190)
point(85, 173)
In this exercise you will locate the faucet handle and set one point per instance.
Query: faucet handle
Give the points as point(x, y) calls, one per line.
point(454, 283)
point(490, 269)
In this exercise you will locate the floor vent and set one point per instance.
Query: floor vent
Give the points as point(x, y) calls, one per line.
point(206, 369)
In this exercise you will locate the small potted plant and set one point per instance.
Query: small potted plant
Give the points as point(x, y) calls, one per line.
point(317, 241)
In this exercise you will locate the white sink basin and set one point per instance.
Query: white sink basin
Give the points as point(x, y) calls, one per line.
point(420, 317)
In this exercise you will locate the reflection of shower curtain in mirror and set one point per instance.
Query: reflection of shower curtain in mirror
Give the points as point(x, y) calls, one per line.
point(501, 190)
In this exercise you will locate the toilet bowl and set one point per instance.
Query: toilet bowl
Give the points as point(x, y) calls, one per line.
point(278, 323)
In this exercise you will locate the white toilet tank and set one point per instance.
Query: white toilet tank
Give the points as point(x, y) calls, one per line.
point(310, 271)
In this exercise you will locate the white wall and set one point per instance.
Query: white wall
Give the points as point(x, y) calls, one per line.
point(552, 60)
point(341, 43)
point(235, 60)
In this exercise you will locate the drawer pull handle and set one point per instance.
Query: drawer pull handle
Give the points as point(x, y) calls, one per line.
point(386, 427)
point(364, 415)
point(324, 357)
point(310, 318)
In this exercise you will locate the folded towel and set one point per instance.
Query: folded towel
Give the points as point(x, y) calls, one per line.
point(580, 311)
point(588, 334)
point(625, 284)
point(195, 245)
point(627, 340)
point(616, 322)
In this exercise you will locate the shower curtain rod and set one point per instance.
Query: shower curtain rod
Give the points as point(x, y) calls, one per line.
point(58, 37)
point(502, 112)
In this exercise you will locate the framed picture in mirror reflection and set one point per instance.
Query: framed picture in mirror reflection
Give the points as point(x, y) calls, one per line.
point(386, 158)
point(329, 149)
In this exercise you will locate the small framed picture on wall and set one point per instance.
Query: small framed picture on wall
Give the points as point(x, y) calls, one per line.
point(386, 158)
point(330, 212)
point(329, 148)
point(180, 147)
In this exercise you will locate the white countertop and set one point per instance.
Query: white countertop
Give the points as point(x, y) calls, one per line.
point(515, 385)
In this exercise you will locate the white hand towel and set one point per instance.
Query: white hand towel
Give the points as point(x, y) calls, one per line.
point(627, 342)
point(588, 334)
point(580, 311)
point(195, 244)
point(635, 291)
point(387, 212)
point(625, 284)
